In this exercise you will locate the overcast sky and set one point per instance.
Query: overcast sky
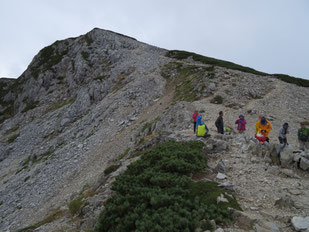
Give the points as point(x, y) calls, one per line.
point(268, 35)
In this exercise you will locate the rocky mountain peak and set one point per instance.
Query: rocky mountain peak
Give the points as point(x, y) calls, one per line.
point(91, 103)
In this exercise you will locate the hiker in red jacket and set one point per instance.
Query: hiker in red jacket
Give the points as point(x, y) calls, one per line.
point(194, 116)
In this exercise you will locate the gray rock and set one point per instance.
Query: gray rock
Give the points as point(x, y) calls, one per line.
point(212, 86)
point(133, 118)
point(221, 198)
point(230, 187)
point(80, 146)
point(265, 226)
point(243, 220)
point(304, 164)
point(300, 223)
point(219, 230)
point(286, 157)
point(213, 224)
point(221, 167)
point(289, 173)
point(221, 145)
point(285, 202)
point(254, 160)
point(220, 176)
point(297, 157)
point(64, 122)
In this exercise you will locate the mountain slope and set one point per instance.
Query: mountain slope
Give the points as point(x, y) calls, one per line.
point(85, 101)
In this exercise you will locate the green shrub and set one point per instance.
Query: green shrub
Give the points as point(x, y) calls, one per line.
point(217, 100)
point(27, 178)
point(56, 106)
point(75, 206)
point(156, 193)
point(27, 161)
point(49, 56)
point(11, 130)
point(293, 80)
point(147, 127)
point(212, 61)
point(85, 55)
point(88, 40)
point(18, 171)
point(12, 138)
point(101, 78)
point(52, 217)
point(111, 169)
point(30, 106)
point(187, 78)
point(181, 55)
point(123, 154)
point(7, 113)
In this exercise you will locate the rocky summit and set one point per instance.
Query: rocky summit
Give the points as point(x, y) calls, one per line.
point(86, 106)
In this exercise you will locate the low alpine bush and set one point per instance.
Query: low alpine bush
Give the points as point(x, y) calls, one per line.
point(156, 193)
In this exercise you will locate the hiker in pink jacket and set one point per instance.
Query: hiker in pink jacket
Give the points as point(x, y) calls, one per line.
point(194, 117)
point(241, 122)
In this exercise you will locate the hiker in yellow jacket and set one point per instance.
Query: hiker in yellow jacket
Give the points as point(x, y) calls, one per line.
point(257, 123)
point(264, 127)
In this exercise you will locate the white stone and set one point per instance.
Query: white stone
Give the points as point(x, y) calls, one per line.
point(221, 198)
point(304, 164)
point(219, 230)
point(300, 223)
point(220, 176)
point(80, 146)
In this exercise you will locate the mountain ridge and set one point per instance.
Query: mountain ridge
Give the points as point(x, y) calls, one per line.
point(85, 102)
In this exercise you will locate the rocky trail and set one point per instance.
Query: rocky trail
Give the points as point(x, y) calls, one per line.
point(269, 195)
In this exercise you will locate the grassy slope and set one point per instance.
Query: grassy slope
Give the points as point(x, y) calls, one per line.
point(180, 55)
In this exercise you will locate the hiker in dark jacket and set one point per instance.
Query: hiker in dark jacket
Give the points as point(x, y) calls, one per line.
point(282, 138)
point(282, 134)
point(219, 123)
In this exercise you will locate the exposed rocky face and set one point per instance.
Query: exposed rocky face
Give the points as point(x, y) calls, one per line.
point(88, 102)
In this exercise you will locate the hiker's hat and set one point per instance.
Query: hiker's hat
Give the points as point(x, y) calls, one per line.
point(263, 120)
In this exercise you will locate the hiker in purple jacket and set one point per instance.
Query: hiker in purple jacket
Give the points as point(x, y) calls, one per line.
point(241, 122)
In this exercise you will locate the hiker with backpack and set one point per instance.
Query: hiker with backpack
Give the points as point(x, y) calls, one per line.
point(263, 128)
point(229, 129)
point(303, 137)
point(194, 117)
point(283, 131)
point(257, 123)
point(241, 123)
point(202, 129)
point(219, 123)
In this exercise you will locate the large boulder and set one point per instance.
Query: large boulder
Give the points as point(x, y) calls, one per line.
point(243, 220)
point(286, 156)
point(266, 226)
point(300, 223)
point(216, 145)
point(273, 153)
point(304, 164)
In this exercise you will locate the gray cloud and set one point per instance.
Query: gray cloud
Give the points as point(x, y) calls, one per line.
point(270, 36)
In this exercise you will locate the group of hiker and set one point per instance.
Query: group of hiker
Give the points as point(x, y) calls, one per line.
point(262, 129)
